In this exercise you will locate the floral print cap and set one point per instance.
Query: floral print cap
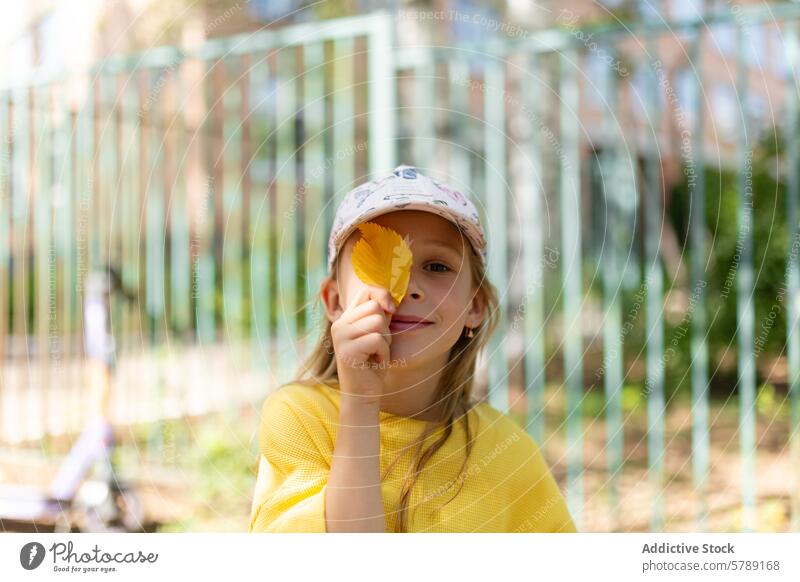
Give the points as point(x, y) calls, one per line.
point(405, 189)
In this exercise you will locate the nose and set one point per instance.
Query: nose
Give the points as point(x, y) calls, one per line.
point(415, 291)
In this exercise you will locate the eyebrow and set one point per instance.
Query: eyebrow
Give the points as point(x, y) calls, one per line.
point(444, 245)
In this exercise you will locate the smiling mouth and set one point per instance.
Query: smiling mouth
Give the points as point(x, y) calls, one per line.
point(398, 326)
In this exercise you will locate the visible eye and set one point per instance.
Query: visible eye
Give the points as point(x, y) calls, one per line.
point(444, 268)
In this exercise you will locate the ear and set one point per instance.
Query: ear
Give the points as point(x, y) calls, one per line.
point(476, 311)
point(331, 298)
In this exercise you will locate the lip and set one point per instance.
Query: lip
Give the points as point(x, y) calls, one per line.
point(407, 323)
point(408, 319)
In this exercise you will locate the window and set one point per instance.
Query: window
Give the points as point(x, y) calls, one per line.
point(473, 22)
point(686, 91)
point(649, 10)
point(755, 45)
point(20, 55)
point(723, 39)
point(777, 51)
point(275, 11)
point(757, 109)
point(727, 116)
point(52, 37)
point(612, 4)
point(596, 75)
point(644, 84)
point(685, 9)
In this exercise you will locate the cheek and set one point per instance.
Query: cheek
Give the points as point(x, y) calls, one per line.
point(350, 284)
point(453, 300)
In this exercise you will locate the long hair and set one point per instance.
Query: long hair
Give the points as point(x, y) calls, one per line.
point(454, 390)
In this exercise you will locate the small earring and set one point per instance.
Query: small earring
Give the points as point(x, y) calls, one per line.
point(470, 333)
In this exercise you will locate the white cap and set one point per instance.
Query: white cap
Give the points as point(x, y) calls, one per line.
point(405, 189)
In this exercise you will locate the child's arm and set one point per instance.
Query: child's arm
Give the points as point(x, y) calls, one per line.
point(360, 336)
point(353, 499)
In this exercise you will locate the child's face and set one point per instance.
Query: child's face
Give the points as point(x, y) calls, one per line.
point(440, 289)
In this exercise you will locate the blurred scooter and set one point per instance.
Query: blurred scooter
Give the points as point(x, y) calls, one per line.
point(82, 499)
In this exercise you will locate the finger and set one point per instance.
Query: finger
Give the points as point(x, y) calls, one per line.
point(374, 323)
point(384, 297)
point(363, 310)
point(360, 297)
point(373, 344)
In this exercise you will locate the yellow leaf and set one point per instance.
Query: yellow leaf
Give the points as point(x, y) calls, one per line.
point(381, 257)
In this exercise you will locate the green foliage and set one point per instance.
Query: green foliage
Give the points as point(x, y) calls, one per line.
point(594, 403)
point(771, 405)
point(216, 457)
point(226, 461)
point(724, 242)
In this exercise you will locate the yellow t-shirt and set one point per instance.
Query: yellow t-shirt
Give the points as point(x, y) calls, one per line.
point(505, 486)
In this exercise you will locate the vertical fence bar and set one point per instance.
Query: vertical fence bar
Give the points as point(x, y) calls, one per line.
point(249, 389)
point(62, 241)
point(793, 269)
point(382, 99)
point(194, 181)
point(459, 92)
point(424, 144)
point(156, 273)
point(206, 268)
point(6, 137)
point(93, 215)
point(112, 204)
point(286, 235)
point(42, 254)
point(654, 285)
point(118, 223)
point(260, 215)
point(271, 210)
point(165, 174)
point(179, 209)
point(232, 290)
point(89, 217)
point(84, 198)
point(312, 190)
point(745, 317)
point(571, 277)
point(699, 347)
point(155, 206)
point(107, 168)
point(343, 115)
point(613, 189)
point(19, 252)
point(496, 192)
point(130, 201)
point(533, 257)
point(233, 251)
point(67, 179)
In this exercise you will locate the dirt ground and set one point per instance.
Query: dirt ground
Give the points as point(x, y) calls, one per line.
point(172, 504)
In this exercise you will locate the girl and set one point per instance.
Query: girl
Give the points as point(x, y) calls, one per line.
point(379, 431)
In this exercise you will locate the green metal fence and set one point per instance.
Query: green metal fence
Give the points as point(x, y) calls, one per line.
point(209, 178)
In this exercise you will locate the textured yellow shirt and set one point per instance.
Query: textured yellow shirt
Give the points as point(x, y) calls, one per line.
point(505, 486)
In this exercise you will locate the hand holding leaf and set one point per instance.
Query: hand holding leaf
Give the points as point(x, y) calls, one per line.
point(381, 257)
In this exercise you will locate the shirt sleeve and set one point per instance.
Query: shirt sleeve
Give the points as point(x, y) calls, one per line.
point(539, 505)
point(292, 472)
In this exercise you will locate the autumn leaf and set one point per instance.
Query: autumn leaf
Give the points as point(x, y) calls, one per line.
point(381, 257)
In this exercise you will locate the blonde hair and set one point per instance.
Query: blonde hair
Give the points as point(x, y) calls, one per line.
point(454, 390)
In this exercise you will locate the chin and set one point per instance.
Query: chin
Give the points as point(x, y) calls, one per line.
point(411, 352)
